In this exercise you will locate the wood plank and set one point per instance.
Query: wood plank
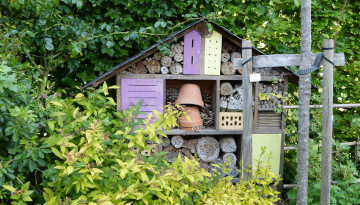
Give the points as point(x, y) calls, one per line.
point(280, 60)
point(246, 142)
point(267, 130)
point(216, 107)
point(203, 132)
point(182, 77)
point(118, 93)
point(327, 123)
point(283, 126)
point(192, 53)
point(256, 108)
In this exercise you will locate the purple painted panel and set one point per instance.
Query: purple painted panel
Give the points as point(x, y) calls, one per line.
point(192, 53)
point(149, 91)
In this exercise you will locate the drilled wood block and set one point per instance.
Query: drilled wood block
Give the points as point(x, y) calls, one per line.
point(212, 54)
point(227, 144)
point(192, 53)
point(233, 171)
point(230, 120)
point(208, 149)
point(230, 158)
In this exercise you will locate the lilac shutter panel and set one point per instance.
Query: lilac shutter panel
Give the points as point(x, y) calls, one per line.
point(150, 91)
point(192, 53)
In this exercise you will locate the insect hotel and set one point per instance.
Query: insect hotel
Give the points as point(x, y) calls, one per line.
point(211, 74)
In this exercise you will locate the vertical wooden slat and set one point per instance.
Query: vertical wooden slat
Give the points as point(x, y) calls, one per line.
point(246, 142)
point(192, 53)
point(327, 122)
point(256, 108)
point(118, 93)
point(217, 103)
point(283, 126)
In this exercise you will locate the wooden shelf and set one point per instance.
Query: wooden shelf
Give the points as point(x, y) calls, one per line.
point(183, 77)
point(203, 132)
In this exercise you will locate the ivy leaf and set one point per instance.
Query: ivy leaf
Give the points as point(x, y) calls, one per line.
point(32, 165)
point(297, 3)
point(79, 4)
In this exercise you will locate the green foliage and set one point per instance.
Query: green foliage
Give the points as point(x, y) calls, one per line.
point(345, 190)
point(258, 190)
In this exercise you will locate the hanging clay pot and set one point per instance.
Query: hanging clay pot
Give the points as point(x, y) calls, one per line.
point(196, 122)
point(190, 94)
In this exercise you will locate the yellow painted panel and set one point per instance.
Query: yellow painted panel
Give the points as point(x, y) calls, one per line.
point(212, 54)
point(272, 142)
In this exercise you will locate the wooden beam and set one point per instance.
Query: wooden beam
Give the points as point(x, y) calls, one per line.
point(321, 106)
point(118, 93)
point(281, 60)
point(327, 123)
point(320, 145)
point(246, 140)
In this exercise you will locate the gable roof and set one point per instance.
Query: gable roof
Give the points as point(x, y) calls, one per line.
point(153, 48)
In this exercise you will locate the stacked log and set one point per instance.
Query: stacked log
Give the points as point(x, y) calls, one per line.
point(274, 93)
point(206, 113)
point(214, 154)
point(158, 63)
point(229, 51)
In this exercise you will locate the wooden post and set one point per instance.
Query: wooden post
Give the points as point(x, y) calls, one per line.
point(118, 93)
point(246, 141)
point(327, 122)
point(304, 101)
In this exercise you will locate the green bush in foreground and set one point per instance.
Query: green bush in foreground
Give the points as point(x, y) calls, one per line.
point(91, 161)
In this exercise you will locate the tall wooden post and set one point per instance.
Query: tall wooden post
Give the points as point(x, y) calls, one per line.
point(304, 102)
point(327, 121)
point(246, 140)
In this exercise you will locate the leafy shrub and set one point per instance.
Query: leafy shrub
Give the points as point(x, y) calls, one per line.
point(91, 161)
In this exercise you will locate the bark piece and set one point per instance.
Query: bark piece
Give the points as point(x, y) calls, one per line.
point(235, 55)
point(228, 68)
point(225, 57)
point(157, 56)
point(164, 70)
point(226, 89)
point(166, 142)
point(153, 66)
point(139, 68)
point(176, 68)
point(190, 144)
point(177, 141)
point(179, 48)
point(178, 57)
point(166, 61)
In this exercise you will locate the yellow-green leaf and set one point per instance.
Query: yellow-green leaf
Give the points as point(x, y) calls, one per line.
point(70, 169)
point(10, 188)
point(56, 103)
point(56, 152)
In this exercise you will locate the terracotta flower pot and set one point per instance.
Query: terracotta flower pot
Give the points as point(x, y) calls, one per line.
point(196, 122)
point(190, 94)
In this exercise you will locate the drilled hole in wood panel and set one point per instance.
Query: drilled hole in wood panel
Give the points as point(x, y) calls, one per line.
point(192, 43)
point(192, 59)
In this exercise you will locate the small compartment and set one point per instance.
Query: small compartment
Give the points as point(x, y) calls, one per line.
point(207, 88)
point(231, 96)
point(208, 149)
point(229, 51)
